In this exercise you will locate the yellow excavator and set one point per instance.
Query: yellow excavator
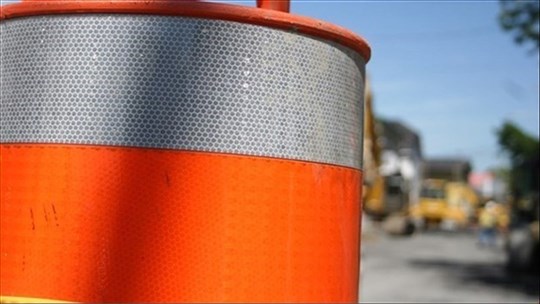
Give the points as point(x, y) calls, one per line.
point(383, 195)
point(374, 182)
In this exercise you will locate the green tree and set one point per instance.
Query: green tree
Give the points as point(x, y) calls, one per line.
point(524, 153)
point(521, 17)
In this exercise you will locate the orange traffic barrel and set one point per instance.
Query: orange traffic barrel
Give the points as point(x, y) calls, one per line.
point(178, 151)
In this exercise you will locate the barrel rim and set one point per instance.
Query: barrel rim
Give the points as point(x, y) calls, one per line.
point(195, 9)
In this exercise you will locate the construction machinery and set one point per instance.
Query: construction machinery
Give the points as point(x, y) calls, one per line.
point(374, 182)
point(392, 159)
point(446, 200)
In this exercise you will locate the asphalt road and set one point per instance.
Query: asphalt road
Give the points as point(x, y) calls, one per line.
point(438, 267)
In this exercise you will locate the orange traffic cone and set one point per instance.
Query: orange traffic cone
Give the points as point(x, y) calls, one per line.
point(173, 151)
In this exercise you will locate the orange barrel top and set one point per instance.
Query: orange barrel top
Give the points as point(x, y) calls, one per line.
point(178, 151)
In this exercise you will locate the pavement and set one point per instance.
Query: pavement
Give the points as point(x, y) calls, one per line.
point(438, 267)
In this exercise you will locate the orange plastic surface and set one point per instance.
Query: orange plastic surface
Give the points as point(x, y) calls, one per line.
point(28, 300)
point(278, 5)
point(272, 17)
point(93, 224)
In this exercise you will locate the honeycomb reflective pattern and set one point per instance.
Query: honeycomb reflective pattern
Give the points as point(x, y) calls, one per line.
point(181, 83)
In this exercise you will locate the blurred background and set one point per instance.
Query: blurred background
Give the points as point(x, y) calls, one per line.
point(451, 148)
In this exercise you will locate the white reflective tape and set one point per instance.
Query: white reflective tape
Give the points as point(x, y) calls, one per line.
point(180, 83)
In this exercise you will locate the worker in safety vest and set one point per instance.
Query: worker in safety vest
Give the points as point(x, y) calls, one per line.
point(488, 225)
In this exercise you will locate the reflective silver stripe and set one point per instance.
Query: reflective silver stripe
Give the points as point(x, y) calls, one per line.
point(181, 83)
